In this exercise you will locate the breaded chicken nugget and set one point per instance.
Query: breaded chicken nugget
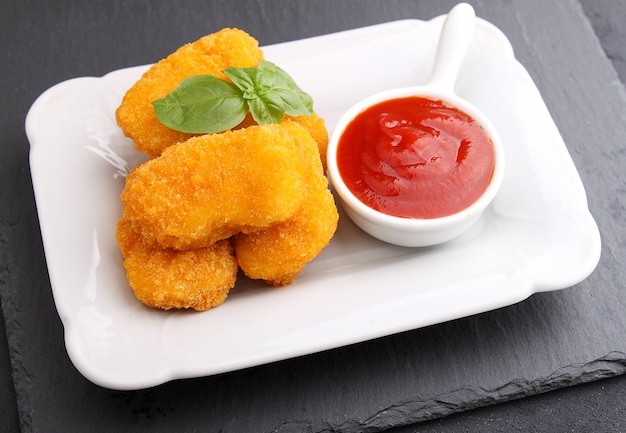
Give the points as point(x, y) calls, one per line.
point(208, 55)
point(317, 128)
point(166, 278)
point(279, 253)
point(213, 186)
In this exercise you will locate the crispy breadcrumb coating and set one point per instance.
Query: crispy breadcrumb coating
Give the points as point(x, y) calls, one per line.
point(166, 278)
point(254, 197)
point(279, 253)
point(211, 187)
point(210, 54)
point(317, 128)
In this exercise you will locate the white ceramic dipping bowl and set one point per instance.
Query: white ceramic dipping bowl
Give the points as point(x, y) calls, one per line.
point(412, 232)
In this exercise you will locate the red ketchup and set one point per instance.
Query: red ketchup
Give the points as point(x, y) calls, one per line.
point(415, 157)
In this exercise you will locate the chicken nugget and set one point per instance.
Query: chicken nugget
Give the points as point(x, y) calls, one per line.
point(317, 128)
point(279, 253)
point(165, 278)
point(210, 54)
point(213, 186)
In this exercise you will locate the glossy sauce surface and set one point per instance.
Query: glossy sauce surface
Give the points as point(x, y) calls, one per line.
point(416, 158)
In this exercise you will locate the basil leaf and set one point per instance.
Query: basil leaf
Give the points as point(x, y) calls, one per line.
point(251, 81)
point(202, 104)
point(267, 109)
point(294, 103)
point(269, 79)
point(265, 105)
point(297, 102)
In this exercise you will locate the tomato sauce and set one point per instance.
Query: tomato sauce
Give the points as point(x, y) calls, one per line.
point(415, 157)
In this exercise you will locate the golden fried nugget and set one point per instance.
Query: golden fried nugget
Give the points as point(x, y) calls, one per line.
point(317, 128)
point(208, 55)
point(213, 186)
point(166, 278)
point(279, 253)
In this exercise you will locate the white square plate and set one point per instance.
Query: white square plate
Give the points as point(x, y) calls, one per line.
point(538, 235)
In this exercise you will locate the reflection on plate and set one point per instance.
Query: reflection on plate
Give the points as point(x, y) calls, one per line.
point(537, 236)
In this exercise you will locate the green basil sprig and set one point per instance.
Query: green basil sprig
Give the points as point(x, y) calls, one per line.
point(204, 104)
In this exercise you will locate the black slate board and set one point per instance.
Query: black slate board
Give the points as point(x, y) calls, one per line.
point(549, 341)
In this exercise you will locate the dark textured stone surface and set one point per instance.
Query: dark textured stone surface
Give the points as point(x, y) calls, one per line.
point(589, 408)
point(549, 341)
point(608, 20)
point(8, 404)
